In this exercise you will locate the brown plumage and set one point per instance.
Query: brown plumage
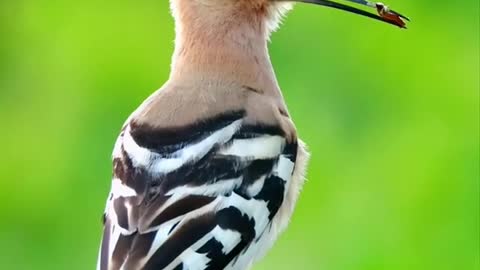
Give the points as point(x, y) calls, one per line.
point(220, 63)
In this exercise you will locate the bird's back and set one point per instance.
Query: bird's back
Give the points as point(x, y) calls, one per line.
point(203, 179)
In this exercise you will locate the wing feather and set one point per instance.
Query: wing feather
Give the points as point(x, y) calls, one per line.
point(193, 197)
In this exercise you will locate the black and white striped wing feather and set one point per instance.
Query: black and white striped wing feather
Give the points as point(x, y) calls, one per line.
point(194, 197)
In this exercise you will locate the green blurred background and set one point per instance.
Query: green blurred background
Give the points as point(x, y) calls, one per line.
point(391, 118)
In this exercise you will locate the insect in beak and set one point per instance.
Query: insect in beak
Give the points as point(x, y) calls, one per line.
point(385, 14)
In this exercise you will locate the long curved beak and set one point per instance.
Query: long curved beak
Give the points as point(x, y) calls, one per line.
point(384, 13)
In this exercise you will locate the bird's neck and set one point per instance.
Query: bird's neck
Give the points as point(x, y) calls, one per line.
point(213, 48)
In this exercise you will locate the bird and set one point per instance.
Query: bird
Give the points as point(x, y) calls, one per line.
point(208, 169)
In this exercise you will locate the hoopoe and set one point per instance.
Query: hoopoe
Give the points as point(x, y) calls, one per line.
point(207, 171)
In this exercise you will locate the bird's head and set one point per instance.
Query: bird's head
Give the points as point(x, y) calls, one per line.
point(268, 12)
point(230, 36)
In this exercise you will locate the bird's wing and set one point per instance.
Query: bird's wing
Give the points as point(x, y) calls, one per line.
point(196, 196)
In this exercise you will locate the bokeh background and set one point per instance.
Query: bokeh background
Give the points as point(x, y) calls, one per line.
point(391, 118)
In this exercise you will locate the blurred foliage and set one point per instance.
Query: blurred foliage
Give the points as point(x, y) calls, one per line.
point(391, 118)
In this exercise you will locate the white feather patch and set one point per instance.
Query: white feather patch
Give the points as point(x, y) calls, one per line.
point(284, 168)
point(194, 261)
point(264, 147)
point(121, 190)
point(219, 187)
point(228, 238)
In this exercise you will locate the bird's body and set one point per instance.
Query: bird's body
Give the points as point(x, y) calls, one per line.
point(200, 194)
point(207, 170)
